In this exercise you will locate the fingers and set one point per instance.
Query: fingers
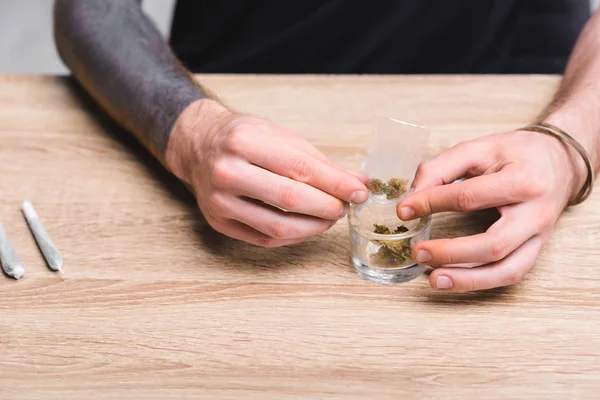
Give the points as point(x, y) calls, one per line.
point(237, 230)
point(486, 191)
point(462, 159)
point(272, 222)
point(503, 273)
point(516, 226)
point(306, 146)
point(246, 180)
point(282, 158)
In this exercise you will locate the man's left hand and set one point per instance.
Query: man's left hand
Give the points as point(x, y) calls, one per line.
point(529, 177)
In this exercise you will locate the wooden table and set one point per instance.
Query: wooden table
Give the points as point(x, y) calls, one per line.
point(155, 305)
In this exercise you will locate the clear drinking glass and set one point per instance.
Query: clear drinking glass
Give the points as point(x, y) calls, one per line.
point(385, 258)
point(397, 150)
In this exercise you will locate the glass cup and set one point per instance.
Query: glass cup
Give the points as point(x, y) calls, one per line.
point(382, 243)
point(385, 258)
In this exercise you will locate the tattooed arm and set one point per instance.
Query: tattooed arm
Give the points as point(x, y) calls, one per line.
point(120, 58)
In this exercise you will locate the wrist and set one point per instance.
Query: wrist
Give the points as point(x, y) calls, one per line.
point(579, 116)
point(574, 161)
point(192, 130)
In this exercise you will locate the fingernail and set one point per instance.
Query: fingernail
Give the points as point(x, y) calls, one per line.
point(443, 282)
point(358, 197)
point(423, 256)
point(406, 213)
point(344, 210)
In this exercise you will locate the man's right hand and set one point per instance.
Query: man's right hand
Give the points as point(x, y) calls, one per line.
point(255, 181)
point(243, 170)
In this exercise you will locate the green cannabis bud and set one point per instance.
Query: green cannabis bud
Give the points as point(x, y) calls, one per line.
point(376, 186)
point(392, 189)
point(384, 230)
point(397, 251)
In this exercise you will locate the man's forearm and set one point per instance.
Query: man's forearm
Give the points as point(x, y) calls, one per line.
point(576, 105)
point(121, 59)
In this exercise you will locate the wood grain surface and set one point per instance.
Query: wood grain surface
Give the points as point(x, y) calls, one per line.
point(154, 304)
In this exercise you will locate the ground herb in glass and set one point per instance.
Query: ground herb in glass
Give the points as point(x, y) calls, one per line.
point(390, 251)
point(397, 251)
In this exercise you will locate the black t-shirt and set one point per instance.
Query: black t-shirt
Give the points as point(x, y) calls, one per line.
point(377, 36)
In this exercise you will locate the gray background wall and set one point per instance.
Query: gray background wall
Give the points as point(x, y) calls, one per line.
point(26, 44)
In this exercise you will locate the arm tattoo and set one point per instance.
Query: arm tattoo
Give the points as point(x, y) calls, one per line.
point(121, 59)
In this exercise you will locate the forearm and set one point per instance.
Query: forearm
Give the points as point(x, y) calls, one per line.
point(576, 105)
point(120, 58)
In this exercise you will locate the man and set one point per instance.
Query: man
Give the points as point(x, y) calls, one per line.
point(118, 56)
